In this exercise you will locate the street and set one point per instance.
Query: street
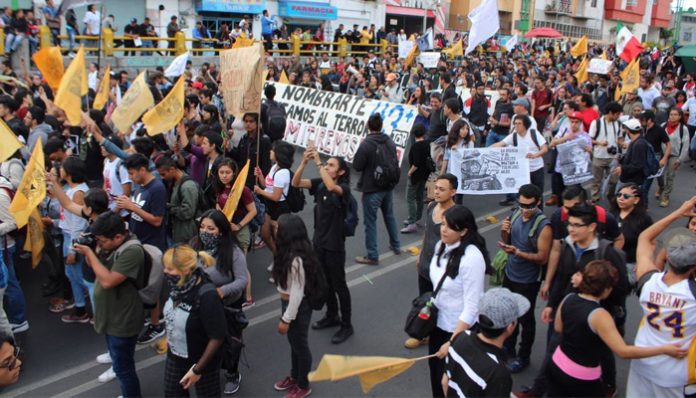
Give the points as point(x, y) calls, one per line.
point(59, 359)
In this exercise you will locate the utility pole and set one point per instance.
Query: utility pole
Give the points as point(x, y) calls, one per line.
point(677, 24)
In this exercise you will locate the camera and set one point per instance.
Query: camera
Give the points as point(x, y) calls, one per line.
point(86, 239)
point(613, 150)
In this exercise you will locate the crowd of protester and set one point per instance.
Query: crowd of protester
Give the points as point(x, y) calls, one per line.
point(137, 243)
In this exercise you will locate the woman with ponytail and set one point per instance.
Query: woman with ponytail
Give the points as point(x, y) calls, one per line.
point(195, 324)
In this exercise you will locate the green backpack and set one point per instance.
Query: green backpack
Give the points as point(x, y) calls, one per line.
point(501, 257)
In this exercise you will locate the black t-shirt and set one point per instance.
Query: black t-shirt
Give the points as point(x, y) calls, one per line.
point(329, 215)
point(153, 199)
point(631, 227)
point(438, 125)
point(657, 136)
point(559, 224)
point(133, 30)
point(502, 108)
point(418, 156)
point(470, 361)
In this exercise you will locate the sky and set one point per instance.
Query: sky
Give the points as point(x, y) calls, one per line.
point(687, 4)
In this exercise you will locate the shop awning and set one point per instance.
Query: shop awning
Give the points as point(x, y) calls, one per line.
point(307, 10)
point(414, 12)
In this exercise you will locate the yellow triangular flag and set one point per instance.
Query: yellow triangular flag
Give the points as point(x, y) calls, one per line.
point(370, 370)
point(457, 50)
point(617, 94)
point(236, 193)
point(581, 74)
point(137, 100)
point(50, 63)
point(411, 55)
point(580, 48)
point(70, 91)
point(167, 114)
point(10, 143)
point(242, 42)
point(35, 237)
point(103, 94)
point(32, 190)
point(630, 77)
point(283, 78)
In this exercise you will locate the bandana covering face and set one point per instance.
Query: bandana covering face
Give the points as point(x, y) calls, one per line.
point(210, 241)
point(178, 292)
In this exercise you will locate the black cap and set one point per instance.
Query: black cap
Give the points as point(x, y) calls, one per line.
point(647, 115)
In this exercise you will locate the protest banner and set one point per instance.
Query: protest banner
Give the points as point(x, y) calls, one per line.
point(242, 79)
point(600, 66)
point(465, 94)
point(429, 59)
point(484, 171)
point(405, 47)
point(337, 123)
point(575, 162)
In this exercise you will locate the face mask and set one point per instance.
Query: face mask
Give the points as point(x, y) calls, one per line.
point(172, 280)
point(210, 241)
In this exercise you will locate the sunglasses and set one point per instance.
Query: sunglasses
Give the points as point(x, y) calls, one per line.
point(12, 362)
point(527, 206)
point(626, 196)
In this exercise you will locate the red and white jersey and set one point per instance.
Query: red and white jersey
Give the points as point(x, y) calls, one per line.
point(669, 316)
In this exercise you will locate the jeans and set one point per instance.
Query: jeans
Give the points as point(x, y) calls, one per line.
point(90, 290)
point(438, 337)
point(74, 272)
point(12, 41)
point(147, 44)
point(372, 202)
point(494, 137)
point(527, 321)
point(5, 327)
point(415, 193)
point(333, 263)
point(647, 184)
point(298, 337)
point(122, 351)
point(71, 38)
point(15, 304)
point(666, 181)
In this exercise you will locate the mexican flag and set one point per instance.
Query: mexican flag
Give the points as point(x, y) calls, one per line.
point(627, 46)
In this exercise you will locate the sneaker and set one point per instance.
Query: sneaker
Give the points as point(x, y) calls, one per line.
point(248, 304)
point(396, 251)
point(297, 392)
point(518, 364)
point(76, 316)
point(271, 280)
point(150, 334)
point(325, 323)
point(342, 335)
point(19, 327)
point(270, 267)
point(232, 383)
point(104, 358)
point(664, 203)
point(107, 376)
point(285, 384)
point(658, 193)
point(366, 260)
point(410, 228)
point(58, 305)
point(526, 392)
point(412, 343)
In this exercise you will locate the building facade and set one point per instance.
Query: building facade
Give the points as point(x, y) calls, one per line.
point(684, 25)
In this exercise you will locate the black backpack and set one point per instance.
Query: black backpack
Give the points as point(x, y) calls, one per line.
point(534, 138)
point(652, 165)
point(387, 172)
point(351, 219)
point(276, 120)
point(295, 198)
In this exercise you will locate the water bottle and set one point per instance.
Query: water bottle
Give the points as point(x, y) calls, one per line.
point(424, 313)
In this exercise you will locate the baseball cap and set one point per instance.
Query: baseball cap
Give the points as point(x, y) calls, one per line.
point(521, 101)
point(681, 248)
point(632, 124)
point(575, 115)
point(502, 307)
point(391, 77)
point(198, 85)
point(647, 115)
point(134, 20)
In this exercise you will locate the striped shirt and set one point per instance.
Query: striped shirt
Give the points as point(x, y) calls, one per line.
point(476, 369)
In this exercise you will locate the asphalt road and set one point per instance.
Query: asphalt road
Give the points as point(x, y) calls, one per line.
point(59, 358)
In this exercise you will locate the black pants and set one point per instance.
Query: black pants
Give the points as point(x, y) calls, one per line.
point(562, 385)
point(438, 337)
point(298, 337)
point(541, 123)
point(175, 368)
point(232, 350)
point(334, 266)
point(541, 382)
point(527, 321)
point(557, 185)
point(268, 42)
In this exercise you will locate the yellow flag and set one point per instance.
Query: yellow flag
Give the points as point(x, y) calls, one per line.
point(70, 91)
point(242, 42)
point(103, 94)
point(617, 94)
point(411, 55)
point(283, 78)
point(630, 77)
point(137, 100)
point(236, 193)
point(167, 114)
point(370, 370)
point(32, 190)
point(581, 74)
point(35, 237)
point(580, 48)
point(456, 50)
point(50, 63)
point(10, 143)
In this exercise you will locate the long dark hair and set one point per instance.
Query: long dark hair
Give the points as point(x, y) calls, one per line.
point(342, 165)
point(453, 136)
point(292, 242)
point(224, 259)
point(459, 218)
point(218, 186)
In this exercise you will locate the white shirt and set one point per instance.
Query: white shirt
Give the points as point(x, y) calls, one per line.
point(527, 145)
point(613, 128)
point(278, 178)
point(92, 79)
point(112, 186)
point(458, 299)
point(91, 21)
point(648, 96)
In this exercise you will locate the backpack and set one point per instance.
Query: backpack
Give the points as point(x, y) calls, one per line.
point(652, 165)
point(276, 120)
point(199, 195)
point(150, 286)
point(260, 216)
point(351, 219)
point(532, 132)
point(387, 172)
point(295, 198)
point(501, 257)
point(601, 215)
